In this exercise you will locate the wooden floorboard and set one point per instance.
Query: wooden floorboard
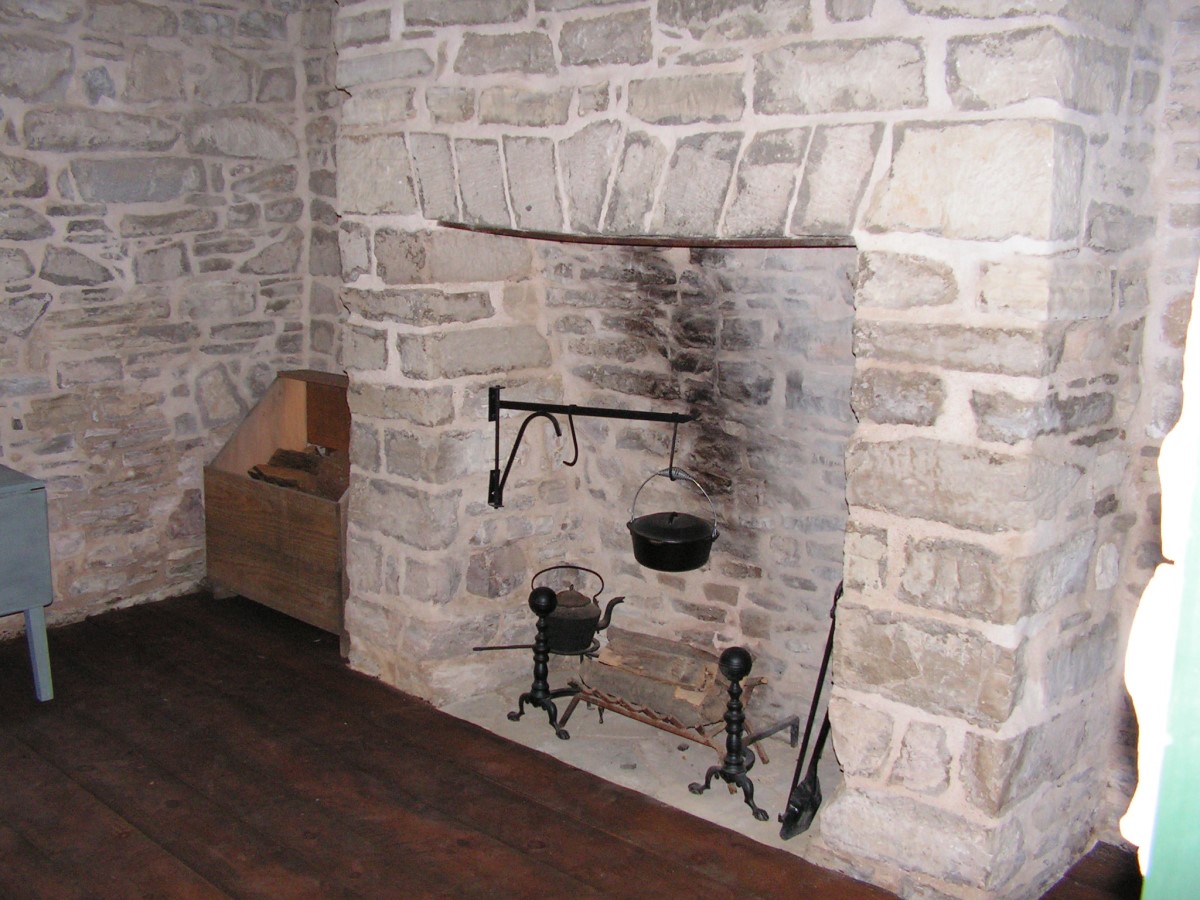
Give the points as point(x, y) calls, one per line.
point(213, 748)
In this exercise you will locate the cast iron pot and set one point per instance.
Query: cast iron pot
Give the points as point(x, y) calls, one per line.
point(672, 541)
point(572, 626)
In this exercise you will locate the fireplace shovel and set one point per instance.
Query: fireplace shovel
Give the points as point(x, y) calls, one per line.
point(805, 797)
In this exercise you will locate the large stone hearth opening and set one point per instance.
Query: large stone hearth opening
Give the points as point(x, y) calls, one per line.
point(893, 256)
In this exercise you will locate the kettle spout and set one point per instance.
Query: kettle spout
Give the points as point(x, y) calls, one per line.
point(604, 620)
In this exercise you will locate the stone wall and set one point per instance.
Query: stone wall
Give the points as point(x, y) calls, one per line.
point(1000, 167)
point(167, 243)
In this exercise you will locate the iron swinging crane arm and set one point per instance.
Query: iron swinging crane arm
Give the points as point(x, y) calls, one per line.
point(498, 479)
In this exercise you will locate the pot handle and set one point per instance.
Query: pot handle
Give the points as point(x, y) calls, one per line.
point(570, 566)
point(674, 472)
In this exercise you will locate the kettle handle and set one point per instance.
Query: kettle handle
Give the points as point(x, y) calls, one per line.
point(674, 472)
point(570, 566)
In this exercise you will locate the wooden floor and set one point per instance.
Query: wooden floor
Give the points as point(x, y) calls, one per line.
point(202, 748)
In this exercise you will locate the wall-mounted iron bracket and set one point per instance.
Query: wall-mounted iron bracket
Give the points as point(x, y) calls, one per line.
point(498, 479)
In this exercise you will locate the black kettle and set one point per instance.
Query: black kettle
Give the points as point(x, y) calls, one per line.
point(572, 627)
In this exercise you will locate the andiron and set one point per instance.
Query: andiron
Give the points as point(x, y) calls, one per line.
point(542, 601)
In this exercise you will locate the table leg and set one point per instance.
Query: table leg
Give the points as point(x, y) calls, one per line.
point(39, 652)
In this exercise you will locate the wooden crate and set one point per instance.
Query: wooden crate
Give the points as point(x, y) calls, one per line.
point(276, 545)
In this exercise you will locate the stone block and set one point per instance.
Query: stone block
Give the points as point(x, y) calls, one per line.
point(736, 19)
point(324, 254)
point(1081, 660)
point(866, 557)
point(450, 104)
point(1059, 574)
point(75, 130)
point(277, 85)
point(281, 257)
point(161, 264)
point(18, 315)
point(963, 579)
point(481, 182)
point(365, 349)
point(896, 281)
point(1002, 351)
point(373, 27)
point(1003, 417)
point(242, 134)
point(533, 183)
point(463, 12)
point(14, 265)
point(476, 351)
point(637, 177)
point(420, 405)
point(1114, 229)
point(129, 18)
point(687, 99)
point(441, 458)
point(217, 301)
point(1047, 289)
point(897, 396)
point(419, 307)
point(64, 266)
point(529, 52)
point(20, 223)
point(622, 38)
point(22, 178)
point(814, 77)
point(1114, 14)
point(154, 76)
point(33, 67)
point(449, 256)
point(228, 82)
point(270, 180)
point(587, 158)
point(394, 65)
point(923, 763)
point(996, 70)
point(862, 736)
point(379, 107)
point(504, 105)
point(413, 516)
point(835, 178)
point(433, 162)
point(354, 247)
point(849, 10)
point(436, 582)
point(1011, 178)
point(961, 486)
point(909, 836)
point(374, 175)
point(180, 222)
point(766, 178)
point(930, 665)
point(697, 180)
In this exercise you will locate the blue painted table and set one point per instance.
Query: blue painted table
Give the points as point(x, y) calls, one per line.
point(25, 566)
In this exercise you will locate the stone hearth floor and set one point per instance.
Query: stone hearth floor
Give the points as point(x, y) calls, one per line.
point(657, 763)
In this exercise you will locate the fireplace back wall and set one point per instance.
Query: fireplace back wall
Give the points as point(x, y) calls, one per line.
point(991, 162)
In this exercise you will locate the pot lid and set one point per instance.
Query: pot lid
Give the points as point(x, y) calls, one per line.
point(570, 598)
point(672, 528)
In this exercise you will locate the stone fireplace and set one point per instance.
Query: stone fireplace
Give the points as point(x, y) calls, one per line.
point(895, 254)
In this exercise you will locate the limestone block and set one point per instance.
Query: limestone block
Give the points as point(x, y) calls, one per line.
point(849, 10)
point(243, 134)
point(450, 104)
point(366, 348)
point(1002, 351)
point(33, 67)
point(1113, 13)
point(940, 668)
point(154, 76)
point(766, 178)
point(75, 130)
point(413, 516)
point(686, 99)
point(1004, 417)
point(436, 582)
point(896, 281)
point(1058, 574)
point(897, 396)
point(961, 486)
point(840, 76)
point(419, 307)
point(532, 183)
point(745, 382)
point(529, 52)
point(374, 175)
point(1049, 289)
point(49, 12)
point(835, 178)
point(354, 245)
point(433, 162)
point(20, 223)
point(866, 557)
point(207, 23)
point(463, 12)
point(229, 80)
point(909, 836)
point(504, 105)
point(373, 27)
point(476, 351)
point(353, 71)
point(449, 256)
point(161, 264)
point(278, 258)
point(633, 190)
point(129, 18)
point(481, 182)
point(20, 177)
point(270, 180)
point(862, 736)
point(1113, 229)
point(419, 405)
point(184, 220)
point(622, 38)
point(324, 255)
point(98, 84)
point(996, 70)
point(587, 158)
point(277, 85)
point(1011, 177)
point(736, 19)
point(1081, 661)
point(923, 764)
point(261, 24)
point(379, 107)
point(18, 315)
point(961, 578)
point(441, 458)
point(696, 182)
point(64, 266)
point(217, 301)
point(14, 265)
